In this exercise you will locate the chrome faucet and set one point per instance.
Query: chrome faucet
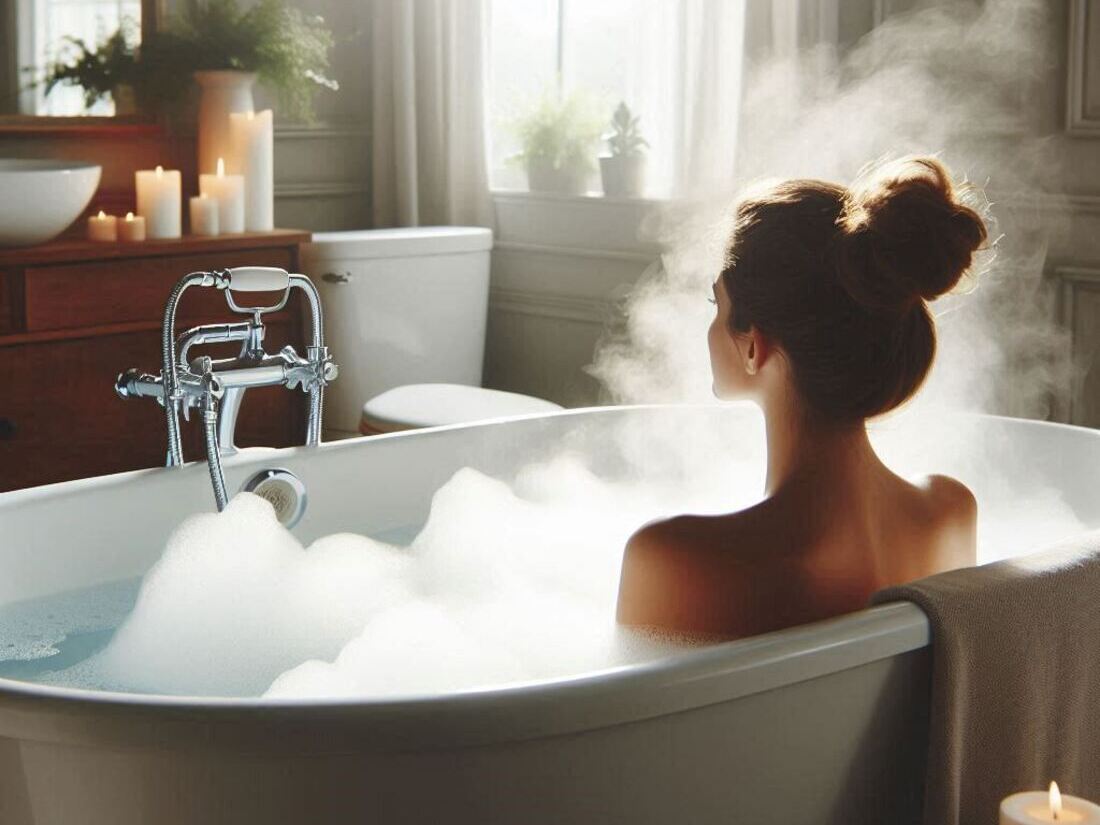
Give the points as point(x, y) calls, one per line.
point(215, 388)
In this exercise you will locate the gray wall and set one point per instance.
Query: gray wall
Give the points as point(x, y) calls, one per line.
point(1075, 255)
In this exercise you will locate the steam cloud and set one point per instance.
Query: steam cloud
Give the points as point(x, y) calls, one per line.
point(960, 80)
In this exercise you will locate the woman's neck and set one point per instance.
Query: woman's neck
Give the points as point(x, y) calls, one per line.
point(799, 449)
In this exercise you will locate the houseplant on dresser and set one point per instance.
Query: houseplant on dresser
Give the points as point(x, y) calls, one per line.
point(227, 49)
point(105, 70)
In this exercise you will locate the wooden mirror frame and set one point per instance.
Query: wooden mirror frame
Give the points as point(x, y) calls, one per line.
point(152, 12)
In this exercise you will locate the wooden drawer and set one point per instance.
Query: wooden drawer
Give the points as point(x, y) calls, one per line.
point(100, 293)
point(10, 301)
point(60, 418)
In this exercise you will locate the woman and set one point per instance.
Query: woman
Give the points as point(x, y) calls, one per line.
point(821, 319)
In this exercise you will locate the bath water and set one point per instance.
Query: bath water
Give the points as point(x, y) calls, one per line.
point(41, 636)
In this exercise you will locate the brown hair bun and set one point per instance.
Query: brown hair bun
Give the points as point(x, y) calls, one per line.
point(839, 276)
point(905, 236)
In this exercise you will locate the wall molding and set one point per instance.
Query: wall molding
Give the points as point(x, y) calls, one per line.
point(1084, 203)
point(319, 190)
point(322, 131)
point(1080, 121)
point(1071, 278)
point(556, 307)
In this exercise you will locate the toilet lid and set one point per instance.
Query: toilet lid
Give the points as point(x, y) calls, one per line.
point(431, 405)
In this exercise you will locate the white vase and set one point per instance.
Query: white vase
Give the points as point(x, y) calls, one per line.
point(223, 92)
point(124, 99)
point(623, 175)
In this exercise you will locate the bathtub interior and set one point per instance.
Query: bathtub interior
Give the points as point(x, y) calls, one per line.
point(112, 530)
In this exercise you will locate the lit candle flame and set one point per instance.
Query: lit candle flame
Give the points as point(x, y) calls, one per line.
point(129, 216)
point(101, 215)
point(1055, 801)
point(160, 171)
point(221, 168)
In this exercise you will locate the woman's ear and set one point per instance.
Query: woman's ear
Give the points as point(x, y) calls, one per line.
point(758, 351)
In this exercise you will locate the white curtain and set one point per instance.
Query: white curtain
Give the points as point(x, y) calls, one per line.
point(688, 65)
point(785, 27)
point(682, 74)
point(427, 83)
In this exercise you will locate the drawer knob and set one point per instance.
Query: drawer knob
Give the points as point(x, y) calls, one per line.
point(7, 429)
point(336, 277)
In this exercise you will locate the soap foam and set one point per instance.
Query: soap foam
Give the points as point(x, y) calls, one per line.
point(511, 579)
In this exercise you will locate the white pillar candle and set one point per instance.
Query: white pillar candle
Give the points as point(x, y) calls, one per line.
point(204, 215)
point(158, 201)
point(132, 228)
point(228, 192)
point(252, 137)
point(102, 227)
point(1044, 807)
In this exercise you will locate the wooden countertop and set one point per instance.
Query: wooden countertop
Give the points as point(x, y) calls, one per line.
point(69, 250)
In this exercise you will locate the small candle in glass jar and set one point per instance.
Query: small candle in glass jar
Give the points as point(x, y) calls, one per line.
point(131, 228)
point(102, 227)
point(204, 215)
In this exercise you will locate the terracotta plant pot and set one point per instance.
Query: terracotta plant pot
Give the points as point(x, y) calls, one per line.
point(623, 175)
point(542, 176)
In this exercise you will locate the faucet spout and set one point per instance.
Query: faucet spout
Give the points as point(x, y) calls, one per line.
point(216, 387)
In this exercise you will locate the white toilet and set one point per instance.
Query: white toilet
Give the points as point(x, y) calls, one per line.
point(405, 317)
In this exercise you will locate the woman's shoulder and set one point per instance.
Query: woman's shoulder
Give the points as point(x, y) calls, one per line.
point(948, 497)
point(727, 531)
point(690, 574)
point(952, 516)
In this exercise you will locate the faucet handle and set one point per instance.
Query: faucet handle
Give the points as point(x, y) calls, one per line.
point(257, 279)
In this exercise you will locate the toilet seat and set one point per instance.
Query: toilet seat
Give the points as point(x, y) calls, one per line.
point(413, 406)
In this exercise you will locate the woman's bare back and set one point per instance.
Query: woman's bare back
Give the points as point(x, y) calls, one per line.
point(817, 548)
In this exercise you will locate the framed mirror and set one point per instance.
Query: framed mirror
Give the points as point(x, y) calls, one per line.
point(57, 61)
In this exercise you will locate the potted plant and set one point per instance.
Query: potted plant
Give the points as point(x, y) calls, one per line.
point(623, 171)
point(557, 143)
point(106, 69)
point(226, 49)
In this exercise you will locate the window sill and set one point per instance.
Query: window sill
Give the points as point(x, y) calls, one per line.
point(590, 197)
point(590, 222)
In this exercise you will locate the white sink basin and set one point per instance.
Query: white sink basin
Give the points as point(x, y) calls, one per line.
point(40, 198)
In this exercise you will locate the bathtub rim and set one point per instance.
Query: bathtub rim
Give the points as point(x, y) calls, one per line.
point(685, 681)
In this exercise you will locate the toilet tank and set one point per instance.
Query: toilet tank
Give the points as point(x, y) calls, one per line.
point(402, 306)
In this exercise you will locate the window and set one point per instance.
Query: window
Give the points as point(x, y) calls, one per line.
point(675, 63)
point(43, 26)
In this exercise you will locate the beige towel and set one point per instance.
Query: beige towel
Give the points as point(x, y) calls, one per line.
point(1015, 679)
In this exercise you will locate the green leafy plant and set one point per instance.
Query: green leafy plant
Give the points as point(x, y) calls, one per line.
point(286, 48)
point(98, 69)
point(560, 132)
point(625, 139)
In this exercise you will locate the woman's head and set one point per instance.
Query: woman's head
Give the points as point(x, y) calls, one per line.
point(834, 281)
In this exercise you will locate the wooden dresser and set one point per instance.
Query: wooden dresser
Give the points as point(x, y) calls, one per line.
point(74, 314)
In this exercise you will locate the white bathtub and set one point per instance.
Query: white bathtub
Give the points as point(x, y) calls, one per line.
point(818, 724)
